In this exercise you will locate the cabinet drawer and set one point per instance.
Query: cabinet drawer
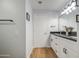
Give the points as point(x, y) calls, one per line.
point(72, 50)
point(73, 46)
point(54, 37)
point(70, 54)
point(59, 44)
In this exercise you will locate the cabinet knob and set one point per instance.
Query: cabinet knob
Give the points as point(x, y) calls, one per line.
point(51, 39)
point(56, 44)
point(56, 51)
point(55, 38)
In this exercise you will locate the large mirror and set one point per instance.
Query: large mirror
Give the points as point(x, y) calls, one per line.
point(68, 25)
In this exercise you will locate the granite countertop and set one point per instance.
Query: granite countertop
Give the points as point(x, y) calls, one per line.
point(72, 38)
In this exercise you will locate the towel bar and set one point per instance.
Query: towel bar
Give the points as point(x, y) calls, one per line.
point(6, 22)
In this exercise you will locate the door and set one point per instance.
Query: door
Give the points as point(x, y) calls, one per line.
point(41, 30)
point(8, 36)
point(12, 36)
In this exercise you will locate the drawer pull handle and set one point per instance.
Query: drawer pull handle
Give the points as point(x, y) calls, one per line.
point(65, 50)
point(55, 38)
point(51, 39)
point(56, 51)
point(56, 44)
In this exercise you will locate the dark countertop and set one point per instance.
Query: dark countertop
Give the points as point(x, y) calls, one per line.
point(72, 38)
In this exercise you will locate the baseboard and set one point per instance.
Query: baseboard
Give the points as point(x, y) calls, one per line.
point(42, 47)
point(28, 56)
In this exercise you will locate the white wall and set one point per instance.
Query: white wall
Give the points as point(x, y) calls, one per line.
point(29, 30)
point(42, 21)
point(12, 37)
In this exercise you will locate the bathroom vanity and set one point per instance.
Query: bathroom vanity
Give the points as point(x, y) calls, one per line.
point(64, 46)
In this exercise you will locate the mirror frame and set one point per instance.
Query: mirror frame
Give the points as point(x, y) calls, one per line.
point(77, 18)
point(77, 3)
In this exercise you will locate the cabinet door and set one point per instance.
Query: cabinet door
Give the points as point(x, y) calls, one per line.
point(53, 36)
point(70, 47)
point(7, 40)
point(56, 45)
point(62, 48)
point(72, 51)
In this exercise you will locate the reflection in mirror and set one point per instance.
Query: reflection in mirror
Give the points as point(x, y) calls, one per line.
point(68, 25)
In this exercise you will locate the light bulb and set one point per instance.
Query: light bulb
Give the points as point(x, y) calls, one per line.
point(67, 12)
point(70, 10)
point(73, 8)
point(62, 13)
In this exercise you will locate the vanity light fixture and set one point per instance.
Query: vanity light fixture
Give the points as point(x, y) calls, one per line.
point(70, 7)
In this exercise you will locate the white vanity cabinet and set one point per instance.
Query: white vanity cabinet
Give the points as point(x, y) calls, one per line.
point(55, 44)
point(63, 47)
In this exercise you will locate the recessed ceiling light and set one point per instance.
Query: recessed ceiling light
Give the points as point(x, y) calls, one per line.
point(40, 2)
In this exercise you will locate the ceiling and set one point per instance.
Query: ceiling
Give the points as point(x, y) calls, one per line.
point(54, 5)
